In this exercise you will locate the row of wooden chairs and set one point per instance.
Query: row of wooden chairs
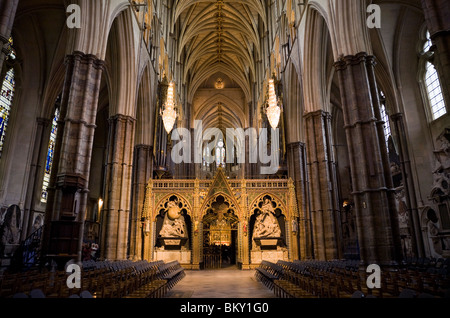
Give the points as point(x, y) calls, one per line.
point(336, 280)
point(172, 273)
point(425, 264)
point(167, 276)
point(104, 279)
point(268, 273)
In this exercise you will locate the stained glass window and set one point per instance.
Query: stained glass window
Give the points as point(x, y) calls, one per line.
point(433, 85)
point(206, 157)
point(6, 98)
point(50, 155)
point(385, 118)
point(7, 95)
point(11, 52)
point(220, 154)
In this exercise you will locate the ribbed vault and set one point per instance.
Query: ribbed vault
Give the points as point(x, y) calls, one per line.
point(219, 36)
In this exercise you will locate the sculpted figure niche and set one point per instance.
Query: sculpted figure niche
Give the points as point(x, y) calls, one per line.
point(266, 224)
point(174, 224)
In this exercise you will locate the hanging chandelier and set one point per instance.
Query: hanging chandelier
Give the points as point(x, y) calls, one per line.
point(273, 109)
point(169, 114)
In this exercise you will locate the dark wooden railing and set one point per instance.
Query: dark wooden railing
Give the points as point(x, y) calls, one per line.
point(27, 254)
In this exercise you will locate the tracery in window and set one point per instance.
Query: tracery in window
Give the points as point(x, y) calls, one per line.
point(432, 83)
point(385, 118)
point(6, 99)
point(50, 156)
point(220, 154)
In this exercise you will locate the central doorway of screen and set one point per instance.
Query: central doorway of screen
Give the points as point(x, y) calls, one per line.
point(220, 236)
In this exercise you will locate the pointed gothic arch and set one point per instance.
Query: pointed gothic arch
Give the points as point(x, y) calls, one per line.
point(228, 199)
point(182, 201)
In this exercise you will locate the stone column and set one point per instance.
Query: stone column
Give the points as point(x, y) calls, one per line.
point(195, 168)
point(161, 140)
point(292, 223)
point(437, 16)
point(69, 184)
point(191, 165)
point(393, 215)
point(142, 173)
point(323, 186)
point(408, 183)
point(8, 10)
point(118, 186)
point(148, 224)
point(244, 228)
point(297, 168)
point(197, 233)
point(375, 209)
point(34, 182)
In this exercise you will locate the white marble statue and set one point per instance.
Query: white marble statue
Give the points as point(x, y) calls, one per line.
point(174, 225)
point(266, 224)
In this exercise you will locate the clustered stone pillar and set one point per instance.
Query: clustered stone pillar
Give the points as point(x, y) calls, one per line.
point(292, 227)
point(375, 210)
point(119, 165)
point(408, 182)
point(296, 156)
point(69, 184)
point(323, 186)
point(161, 143)
point(148, 224)
point(375, 95)
point(197, 228)
point(195, 167)
point(142, 173)
point(34, 182)
point(245, 245)
point(8, 10)
point(437, 16)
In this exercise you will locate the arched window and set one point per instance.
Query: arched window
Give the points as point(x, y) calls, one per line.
point(50, 155)
point(432, 82)
point(206, 157)
point(6, 97)
point(220, 154)
point(216, 154)
point(385, 118)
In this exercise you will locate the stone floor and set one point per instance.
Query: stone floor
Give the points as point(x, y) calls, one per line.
point(225, 283)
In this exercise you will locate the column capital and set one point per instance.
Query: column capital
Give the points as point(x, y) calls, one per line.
point(297, 144)
point(144, 147)
point(72, 180)
point(345, 61)
point(122, 118)
point(317, 113)
point(81, 57)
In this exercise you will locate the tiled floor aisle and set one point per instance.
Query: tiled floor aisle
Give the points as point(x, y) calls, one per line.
point(220, 284)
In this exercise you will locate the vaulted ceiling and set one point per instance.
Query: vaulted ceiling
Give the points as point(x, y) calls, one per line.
point(219, 36)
